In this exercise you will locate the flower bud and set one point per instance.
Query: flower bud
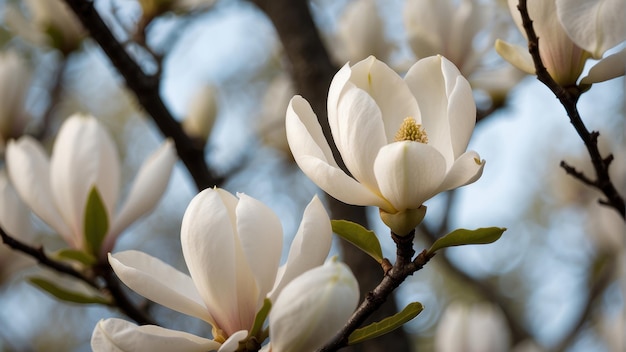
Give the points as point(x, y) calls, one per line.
point(201, 116)
point(313, 307)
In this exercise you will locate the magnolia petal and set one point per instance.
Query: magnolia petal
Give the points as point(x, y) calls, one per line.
point(208, 236)
point(313, 307)
point(361, 134)
point(117, 335)
point(610, 67)
point(83, 156)
point(409, 173)
point(389, 92)
point(309, 248)
point(261, 236)
point(232, 343)
point(516, 55)
point(29, 170)
point(462, 115)
point(14, 214)
point(466, 169)
point(312, 154)
point(594, 25)
point(149, 185)
point(337, 86)
point(159, 282)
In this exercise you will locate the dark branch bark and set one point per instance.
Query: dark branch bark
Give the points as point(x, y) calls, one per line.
point(569, 100)
point(146, 88)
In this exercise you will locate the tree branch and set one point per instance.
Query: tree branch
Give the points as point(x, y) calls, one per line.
point(146, 88)
point(569, 99)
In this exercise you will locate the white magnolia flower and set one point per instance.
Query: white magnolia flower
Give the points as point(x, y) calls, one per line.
point(402, 140)
point(51, 22)
point(84, 158)
point(232, 248)
point(463, 31)
point(590, 24)
point(14, 83)
point(202, 113)
point(15, 221)
point(361, 33)
point(463, 328)
point(313, 307)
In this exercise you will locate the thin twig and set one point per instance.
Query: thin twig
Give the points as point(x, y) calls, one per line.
point(404, 266)
point(569, 99)
point(147, 90)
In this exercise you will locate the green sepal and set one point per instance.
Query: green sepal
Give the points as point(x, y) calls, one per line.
point(96, 222)
point(64, 294)
point(461, 237)
point(76, 255)
point(386, 325)
point(259, 319)
point(359, 236)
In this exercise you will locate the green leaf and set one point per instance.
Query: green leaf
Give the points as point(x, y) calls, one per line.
point(96, 222)
point(260, 317)
point(462, 237)
point(64, 294)
point(359, 236)
point(386, 325)
point(76, 255)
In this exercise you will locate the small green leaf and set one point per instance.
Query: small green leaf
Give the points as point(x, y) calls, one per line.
point(96, 222)
point(76, 255)
point(260, 317)
point(386, 325)
point(64, 294)
point(359, 236)
point(462, 237)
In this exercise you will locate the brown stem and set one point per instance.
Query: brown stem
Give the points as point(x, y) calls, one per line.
point(146, 88)
point(569, 99)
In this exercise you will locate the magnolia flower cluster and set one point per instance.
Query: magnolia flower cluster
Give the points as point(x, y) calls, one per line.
point(402, 140)
point(84, 164)
point(571, 32)
point(232, 248)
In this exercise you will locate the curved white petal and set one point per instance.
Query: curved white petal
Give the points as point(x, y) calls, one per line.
point(117, 335)
point(312, 154)
point(312, 308)
point(149, 185)
point(516, 55)
point(361, 134)
point(14, 214)
point(389, 92)
point(83, 156)
point(466, 169)
point(309, 248)
point(261, 237)
point(212, 254)
point(461, 115)
point(594, 25)
point(610, 67)
point(409, 173)
point(29, 170)
point(232, 343)
point(159, 282)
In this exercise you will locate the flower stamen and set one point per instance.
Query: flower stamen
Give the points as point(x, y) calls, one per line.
point(410, 130)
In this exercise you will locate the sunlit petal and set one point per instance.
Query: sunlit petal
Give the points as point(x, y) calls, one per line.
point(516, 55)
point(159, 282)
point(466, 169)
point(610, 67)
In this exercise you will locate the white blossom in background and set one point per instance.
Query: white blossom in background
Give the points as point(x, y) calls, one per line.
point(571, 32)
point(271, 122)
point(50, 23)
point(402, 140)
point(313, 307)
point(475, 328)
point(463, 31)
point(84, 157)
point(201, 114)
point(14, 84)
point(15, 221)
point(232, 247)
point(360, 33)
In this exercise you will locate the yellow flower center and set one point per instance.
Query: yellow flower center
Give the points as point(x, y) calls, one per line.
point(410, 130)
